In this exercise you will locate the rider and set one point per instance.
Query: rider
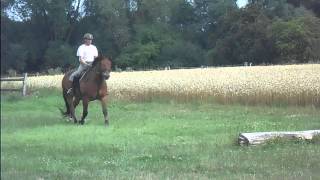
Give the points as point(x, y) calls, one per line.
point(87, 53)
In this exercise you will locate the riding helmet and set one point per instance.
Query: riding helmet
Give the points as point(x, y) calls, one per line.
point(88, 36)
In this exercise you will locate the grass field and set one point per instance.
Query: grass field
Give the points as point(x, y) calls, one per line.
point(160, 139)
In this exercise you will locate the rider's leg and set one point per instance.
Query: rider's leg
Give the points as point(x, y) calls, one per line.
point(75, 74)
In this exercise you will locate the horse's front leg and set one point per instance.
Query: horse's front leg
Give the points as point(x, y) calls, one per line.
point(85, 102)
point(105, 110)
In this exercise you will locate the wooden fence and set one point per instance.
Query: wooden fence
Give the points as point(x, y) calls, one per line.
point(24, 84)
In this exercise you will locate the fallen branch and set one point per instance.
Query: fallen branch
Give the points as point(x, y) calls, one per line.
point(262, 137)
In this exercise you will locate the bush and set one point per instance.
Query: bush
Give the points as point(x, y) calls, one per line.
point(12, 73)
point(54, 71)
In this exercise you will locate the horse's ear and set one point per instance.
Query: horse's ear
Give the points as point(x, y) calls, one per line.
point(100, 55)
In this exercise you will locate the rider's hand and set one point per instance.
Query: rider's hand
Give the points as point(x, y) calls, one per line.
point(85, 64)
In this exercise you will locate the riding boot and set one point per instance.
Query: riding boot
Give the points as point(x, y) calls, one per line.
point(71, 89)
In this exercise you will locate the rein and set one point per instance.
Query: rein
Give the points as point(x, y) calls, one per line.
point(87, 71)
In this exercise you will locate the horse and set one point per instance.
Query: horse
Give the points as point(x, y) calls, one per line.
point(89, 87)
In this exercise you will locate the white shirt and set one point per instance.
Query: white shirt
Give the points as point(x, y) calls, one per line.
point(87, 53)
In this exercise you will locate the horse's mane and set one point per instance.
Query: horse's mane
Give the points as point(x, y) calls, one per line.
point(97, 59)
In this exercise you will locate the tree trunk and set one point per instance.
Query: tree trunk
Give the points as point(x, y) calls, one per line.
point(262, 137)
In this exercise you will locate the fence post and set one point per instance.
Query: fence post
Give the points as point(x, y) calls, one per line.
point(24, 87)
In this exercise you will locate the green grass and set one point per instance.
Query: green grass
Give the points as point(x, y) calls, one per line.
point(152, 140)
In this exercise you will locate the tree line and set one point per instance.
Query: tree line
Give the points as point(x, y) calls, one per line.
point(39, 35)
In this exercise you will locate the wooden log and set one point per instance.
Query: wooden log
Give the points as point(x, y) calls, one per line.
point(262, 137)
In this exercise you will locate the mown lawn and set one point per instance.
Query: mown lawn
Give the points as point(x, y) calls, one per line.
point(161, 139)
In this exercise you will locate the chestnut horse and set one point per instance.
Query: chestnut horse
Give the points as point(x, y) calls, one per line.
point(91, 86)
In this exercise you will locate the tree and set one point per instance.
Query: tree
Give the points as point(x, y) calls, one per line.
point(59, 54)
point(312, 26)
point(109, 22)
point(146, 45)
point(180, 54)
point(313, 5)
point(241, 37)
point(290, 40)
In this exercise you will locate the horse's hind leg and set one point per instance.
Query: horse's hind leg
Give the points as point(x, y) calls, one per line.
point(76, 102)
point(72, 109)
point(85, 102)
point(105, 110)
point(67, 113)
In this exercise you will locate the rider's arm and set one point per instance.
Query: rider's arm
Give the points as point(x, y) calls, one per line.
point(95, 52)
point(82, 61)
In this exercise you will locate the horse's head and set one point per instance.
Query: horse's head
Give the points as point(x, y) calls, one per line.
point(103, 66)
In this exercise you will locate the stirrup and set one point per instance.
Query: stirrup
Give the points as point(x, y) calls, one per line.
point(69, 91)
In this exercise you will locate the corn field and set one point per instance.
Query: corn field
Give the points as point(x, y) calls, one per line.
point(267, 85)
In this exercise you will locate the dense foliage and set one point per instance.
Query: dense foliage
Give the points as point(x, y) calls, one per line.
point(39, 35)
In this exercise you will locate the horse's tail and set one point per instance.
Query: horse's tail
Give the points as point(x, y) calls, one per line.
point(63, 113)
